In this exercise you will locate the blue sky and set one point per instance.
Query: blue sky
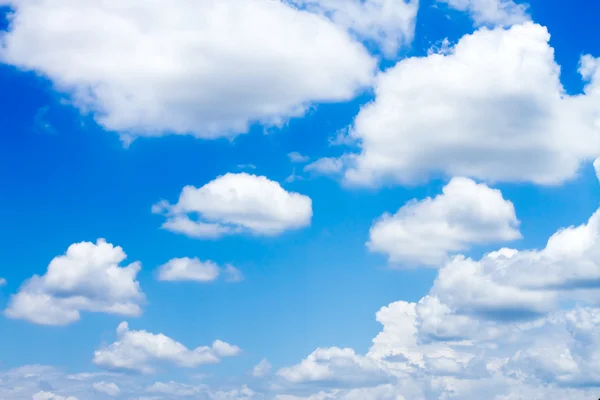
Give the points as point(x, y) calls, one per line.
point(84, 154)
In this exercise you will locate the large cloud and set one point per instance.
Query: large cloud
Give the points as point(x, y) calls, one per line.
point(138, 350)
point(424, 232)
point(236, 203)
point(207, 68)
point(87, 277)
point(493, 109)
point(500, 327)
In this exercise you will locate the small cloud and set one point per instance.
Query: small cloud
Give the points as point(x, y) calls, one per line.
point(232, 274)
point(296, 157)
point(110, 389)
point(2, 282)
point(326, 166)
point(246, 166)
point(293, 177)
point(262, 368)
point(596, 167)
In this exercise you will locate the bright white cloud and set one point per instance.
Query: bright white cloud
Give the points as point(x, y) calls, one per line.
point(109, 389)
point(492, 12)
point(206, 68)
point(597, 167)
point(88, 277)
point(493, 109)
point(390, 24)
point(188, 269)
point(263, 368)
point(501, 327)
point(234, 204)
point(336, 366)
point(425, 232)
point(138, 350)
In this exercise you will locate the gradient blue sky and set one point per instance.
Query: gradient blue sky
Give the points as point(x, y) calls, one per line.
point(64, 179)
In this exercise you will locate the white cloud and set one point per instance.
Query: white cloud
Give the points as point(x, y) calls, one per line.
point(296, 157)
point(597, 167)
point(175, 389)
point(325, 166)
point(263, 368)
point(137, 350)
point(425, 232)
point(232, 274)
point(51, 396)
point(336, 366)
point(87, 277)
point(2, 282)
point(188, 269)
point(492, 12)
point(388, 23)
point(109, 389)
point(234, 204)
point(493, 109)
point(207, 68)
point(501, 327)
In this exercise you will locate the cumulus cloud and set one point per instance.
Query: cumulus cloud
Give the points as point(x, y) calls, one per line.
point(207, 69)
point(88, 277)
point(390, 24)
point(261, 369)
point(492, 109)
point(138, 350)
point(425, 232)
point(500, 327)
point(235, 204)
point(51, 396)
point(109, 389)
point(192, 269)
point(491, 12)
point(336, 366)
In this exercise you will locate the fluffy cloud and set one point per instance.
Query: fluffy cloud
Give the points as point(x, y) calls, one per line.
point(51, 396)
point(261, 369)
point(388, 23)
point(424, 232)
point(492, 109)
point(491, 12)
point(335, 366)
point(234, 204)
point(192, 269)
point(109, 389)
point(500, 327)
point(207, 68)
point(88, 277)
point(137, 350)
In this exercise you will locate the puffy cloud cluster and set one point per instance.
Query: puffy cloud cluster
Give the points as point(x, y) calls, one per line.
point(501, 327)
point(493, 109)
point(234, 204)
point(88, 277)
point(208, 68)
point(138, 350)
point(192, 269)
point(425, 232)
